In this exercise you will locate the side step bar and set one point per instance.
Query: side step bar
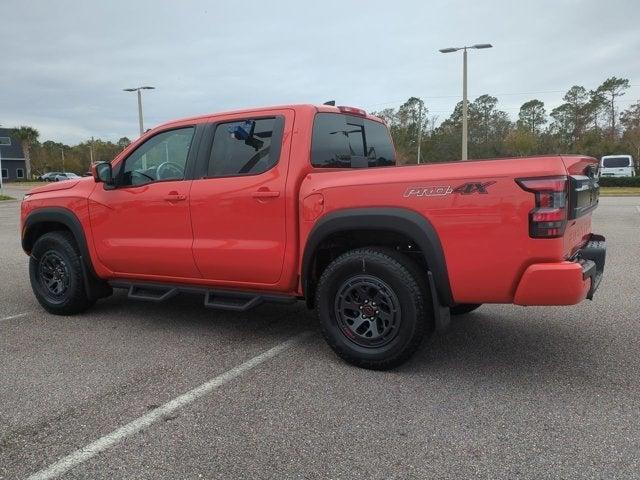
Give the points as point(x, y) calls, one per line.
point(140, 292)
point(237, 301)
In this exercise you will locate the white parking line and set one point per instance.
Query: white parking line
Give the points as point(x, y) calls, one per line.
point(85, 453)
point(638, 208)
point(17, 315)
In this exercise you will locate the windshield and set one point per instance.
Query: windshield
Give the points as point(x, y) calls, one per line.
point(616, 162)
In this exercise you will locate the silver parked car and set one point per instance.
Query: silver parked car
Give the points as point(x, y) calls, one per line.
point(49, 177)
point(65, 176)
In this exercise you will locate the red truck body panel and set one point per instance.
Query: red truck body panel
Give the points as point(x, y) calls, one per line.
point(483, 236)
point(250, 232)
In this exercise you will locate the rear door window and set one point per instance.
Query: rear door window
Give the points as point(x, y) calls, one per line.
point(615, 162)
point(346, 141)
point(245, 147)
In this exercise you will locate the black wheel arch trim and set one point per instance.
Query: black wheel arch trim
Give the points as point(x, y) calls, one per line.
point(394, 219)
point(95, 287)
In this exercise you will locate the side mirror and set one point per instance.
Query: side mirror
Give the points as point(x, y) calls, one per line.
point(102, 172)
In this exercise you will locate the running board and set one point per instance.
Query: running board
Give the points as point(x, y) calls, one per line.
point(151, 294)
point(233, 300)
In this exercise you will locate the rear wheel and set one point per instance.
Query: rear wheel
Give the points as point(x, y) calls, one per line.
point(56, 274)
point(464, 308)
point(372, 309)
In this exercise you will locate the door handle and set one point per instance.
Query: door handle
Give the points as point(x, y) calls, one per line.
point(265, 194)
point(175, 197)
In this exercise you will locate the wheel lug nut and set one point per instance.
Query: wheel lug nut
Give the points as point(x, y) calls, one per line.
point(366, 301)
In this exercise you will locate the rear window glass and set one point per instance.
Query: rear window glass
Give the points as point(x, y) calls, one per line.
point(345, 141)
point(615, 162)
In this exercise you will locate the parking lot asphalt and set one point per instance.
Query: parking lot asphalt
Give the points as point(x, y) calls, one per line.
point(508, 392)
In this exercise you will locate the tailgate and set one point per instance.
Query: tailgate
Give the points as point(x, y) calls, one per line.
point(584, 194)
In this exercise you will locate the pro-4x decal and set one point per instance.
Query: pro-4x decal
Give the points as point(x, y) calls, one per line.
point(438, 191)
point(473, 187)
point(442, 190)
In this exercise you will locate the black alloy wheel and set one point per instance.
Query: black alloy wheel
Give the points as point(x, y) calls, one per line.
point(374, 307)
point(57, 274)
point(54, 275)
point(368, 311)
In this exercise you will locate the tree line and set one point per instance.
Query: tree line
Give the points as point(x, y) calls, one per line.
point(587, 122)
point(51, 156)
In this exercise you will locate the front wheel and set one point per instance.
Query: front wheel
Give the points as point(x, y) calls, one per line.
point(56, 274)
point(373, 308)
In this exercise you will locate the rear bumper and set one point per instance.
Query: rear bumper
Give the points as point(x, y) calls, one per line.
point(564, 283)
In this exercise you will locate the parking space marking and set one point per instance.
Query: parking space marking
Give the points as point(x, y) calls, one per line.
point(17, 315)
point(85, 453)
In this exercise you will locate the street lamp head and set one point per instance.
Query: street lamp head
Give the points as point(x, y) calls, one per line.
point(146, 87)
point(448, 50)
point(482, 45)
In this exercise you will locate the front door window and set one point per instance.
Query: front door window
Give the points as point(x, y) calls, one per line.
point(162, 157)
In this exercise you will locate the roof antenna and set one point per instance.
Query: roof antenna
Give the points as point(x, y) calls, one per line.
point(331, 103)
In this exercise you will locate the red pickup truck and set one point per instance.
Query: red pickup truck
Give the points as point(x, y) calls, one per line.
point(306, 202)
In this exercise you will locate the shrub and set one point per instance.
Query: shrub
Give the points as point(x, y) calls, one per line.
point(620, 181)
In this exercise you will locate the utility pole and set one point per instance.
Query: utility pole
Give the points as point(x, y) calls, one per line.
point(62, 151)
point(465, 101)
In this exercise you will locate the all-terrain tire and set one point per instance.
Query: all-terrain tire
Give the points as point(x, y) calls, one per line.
point(56, 274)
point(354, 281)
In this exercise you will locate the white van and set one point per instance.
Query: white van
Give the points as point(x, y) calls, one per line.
point(617, 166)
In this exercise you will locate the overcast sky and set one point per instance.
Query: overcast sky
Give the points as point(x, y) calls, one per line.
point(64, 63)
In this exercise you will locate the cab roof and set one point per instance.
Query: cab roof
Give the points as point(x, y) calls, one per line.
point(297, 107)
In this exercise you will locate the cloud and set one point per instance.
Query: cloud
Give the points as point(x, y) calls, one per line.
point(66, 62)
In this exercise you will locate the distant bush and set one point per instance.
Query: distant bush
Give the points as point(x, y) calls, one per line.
point(620, 181)
point(26, 180)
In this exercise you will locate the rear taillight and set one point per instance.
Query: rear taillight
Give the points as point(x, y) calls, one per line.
point(549, 218)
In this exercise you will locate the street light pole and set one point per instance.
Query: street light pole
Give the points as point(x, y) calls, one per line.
point(465, 101)
point(419, 131)
point(465, 106)
point(139, 91)
point(140, 112)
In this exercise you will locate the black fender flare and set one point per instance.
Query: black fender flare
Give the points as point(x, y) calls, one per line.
point(393, 219)
point(95, 287)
